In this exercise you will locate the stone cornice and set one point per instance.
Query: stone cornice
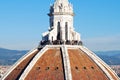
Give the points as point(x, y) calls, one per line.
point(61, 13)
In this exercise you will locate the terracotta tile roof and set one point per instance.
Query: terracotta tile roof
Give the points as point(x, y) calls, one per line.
point(83, 67)
point(49, 67)
point(58, 62)
point(15, 74)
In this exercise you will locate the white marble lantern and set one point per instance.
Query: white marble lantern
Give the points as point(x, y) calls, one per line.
point(61, 23)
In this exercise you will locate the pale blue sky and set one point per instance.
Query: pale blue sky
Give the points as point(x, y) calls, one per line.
point(23, 21)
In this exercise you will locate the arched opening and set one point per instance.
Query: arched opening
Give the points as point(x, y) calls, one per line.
point(66, 30)
point(52, 38)
point(58, 31)
point(51, 23)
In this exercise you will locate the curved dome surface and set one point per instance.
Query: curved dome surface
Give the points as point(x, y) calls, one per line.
point(61, 62)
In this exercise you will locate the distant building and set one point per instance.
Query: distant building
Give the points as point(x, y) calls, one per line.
point(60, 55)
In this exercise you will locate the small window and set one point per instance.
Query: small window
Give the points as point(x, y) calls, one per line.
point(56, 68)
point(38, 68)
point(84, 68)
point(92, 67)
point(47, 68)
point(76, 68)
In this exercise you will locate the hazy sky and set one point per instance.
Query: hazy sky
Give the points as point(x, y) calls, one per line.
point(23, 21)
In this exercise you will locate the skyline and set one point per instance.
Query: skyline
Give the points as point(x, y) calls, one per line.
point(23, 22)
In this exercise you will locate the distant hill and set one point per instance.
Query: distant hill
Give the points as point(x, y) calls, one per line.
point(110, 57)
point(9, 57)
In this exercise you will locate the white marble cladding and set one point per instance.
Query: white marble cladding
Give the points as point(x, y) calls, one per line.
point(62, 6)
point(61, 23)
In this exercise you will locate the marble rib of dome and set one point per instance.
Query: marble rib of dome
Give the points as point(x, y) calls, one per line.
point(61, 54)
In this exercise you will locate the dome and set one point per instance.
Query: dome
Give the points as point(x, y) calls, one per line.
point(60, 62)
